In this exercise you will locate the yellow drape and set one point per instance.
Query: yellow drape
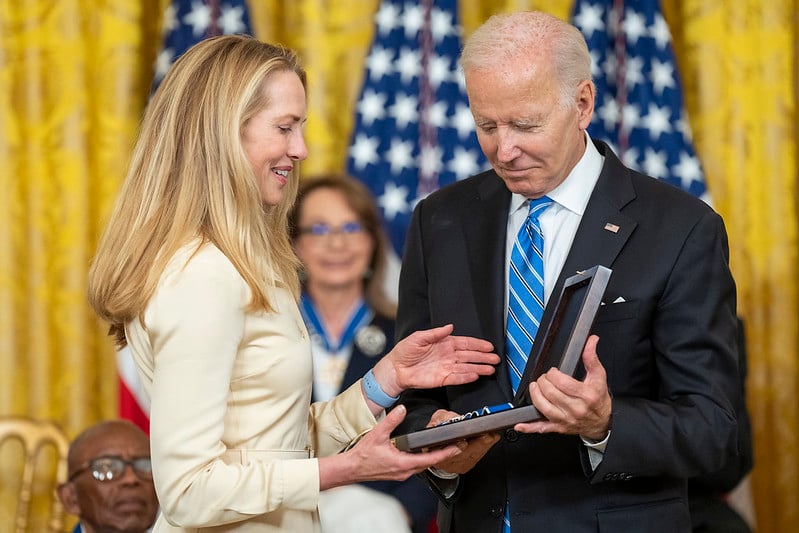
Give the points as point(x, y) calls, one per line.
point(74, 77)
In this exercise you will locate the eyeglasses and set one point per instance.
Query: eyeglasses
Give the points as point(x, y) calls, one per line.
point(111, 468)
point(347, 229)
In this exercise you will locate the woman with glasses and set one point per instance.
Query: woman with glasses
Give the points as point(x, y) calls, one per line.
point(197, 274)
point(336, 232)
point(110, 483)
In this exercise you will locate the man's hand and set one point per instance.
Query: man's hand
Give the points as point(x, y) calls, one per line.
point(570, 406)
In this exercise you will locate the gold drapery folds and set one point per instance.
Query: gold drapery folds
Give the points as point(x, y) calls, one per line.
point(74, 79)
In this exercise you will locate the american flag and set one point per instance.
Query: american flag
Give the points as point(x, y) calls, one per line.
point(413, 131)
point(639, 105)
point(185, 23)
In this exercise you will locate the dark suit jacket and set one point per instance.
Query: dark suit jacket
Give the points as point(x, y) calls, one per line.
point(669, 352)
point(415, 497)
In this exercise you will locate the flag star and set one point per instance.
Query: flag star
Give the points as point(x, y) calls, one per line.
point(462, 120)
point(170, 19)
point(436, 114)
point(364, 151)
point(464, 163)
point(683, 127)
point(655, 163)
point(634, 26)
point(662, 75)
point(387, 18)
point(595, 70)
point(657, 121)
point(660, 31)
point(199, 18)
point(231, 20)
point(409, 64)
point(633, 72)
point(609, 113)
point(441, 24)
point(404, 110)
point(412, 20)
point(372, 106)
point(631, 117)
point(430, 161)
point(400, 155)
point(630, 158)
point(439, 70)
point(687, 170)
point(163, 62)
point(393, 201)
point(379, 63)
point(589, 20)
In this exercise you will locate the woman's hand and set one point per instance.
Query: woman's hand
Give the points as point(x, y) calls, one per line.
point(434, 358)
point(472, 450)
point(375, 457)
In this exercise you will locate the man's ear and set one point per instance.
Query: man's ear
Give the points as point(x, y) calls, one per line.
point(69, 498)
point(586, 93)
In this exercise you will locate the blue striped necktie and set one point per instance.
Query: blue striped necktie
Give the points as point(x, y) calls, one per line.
point(526, 290)
point(525, 298)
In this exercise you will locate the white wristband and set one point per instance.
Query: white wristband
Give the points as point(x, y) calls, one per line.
point(375, 393)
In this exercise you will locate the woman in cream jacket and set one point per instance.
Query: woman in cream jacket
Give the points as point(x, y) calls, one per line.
point(196, 273)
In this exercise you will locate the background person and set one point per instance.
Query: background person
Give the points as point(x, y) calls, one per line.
point(110, 484)
point(196, 272)
point(656, 405)
point(336, 232)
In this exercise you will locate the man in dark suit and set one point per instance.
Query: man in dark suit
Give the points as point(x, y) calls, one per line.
point(110, 485)
point(654, 406)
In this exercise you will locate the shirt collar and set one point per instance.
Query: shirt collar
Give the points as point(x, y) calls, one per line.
point(576, 189)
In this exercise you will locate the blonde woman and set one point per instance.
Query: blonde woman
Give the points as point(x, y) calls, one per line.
point(196, 273)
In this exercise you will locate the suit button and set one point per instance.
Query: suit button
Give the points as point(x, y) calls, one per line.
point(496, 511)
point(511, 435)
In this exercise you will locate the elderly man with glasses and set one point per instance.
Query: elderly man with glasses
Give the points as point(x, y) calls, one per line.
point(110, 484)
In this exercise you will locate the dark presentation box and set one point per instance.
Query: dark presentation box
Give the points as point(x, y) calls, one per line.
point(560, 340)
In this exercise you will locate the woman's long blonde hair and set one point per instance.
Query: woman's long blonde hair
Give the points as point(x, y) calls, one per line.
point(189, 178)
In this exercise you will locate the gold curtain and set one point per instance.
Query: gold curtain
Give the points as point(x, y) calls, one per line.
point(74, 78)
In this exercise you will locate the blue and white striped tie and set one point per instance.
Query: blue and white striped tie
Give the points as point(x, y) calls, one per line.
point(526, 290)
point(525, 298)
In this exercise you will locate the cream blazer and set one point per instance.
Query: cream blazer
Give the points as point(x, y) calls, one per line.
point(234, 438)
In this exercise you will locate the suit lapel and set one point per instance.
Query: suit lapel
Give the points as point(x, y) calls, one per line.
point(604, 229)
point(485, 220)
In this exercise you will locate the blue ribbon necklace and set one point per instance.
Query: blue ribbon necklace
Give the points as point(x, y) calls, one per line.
point(359, 318)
